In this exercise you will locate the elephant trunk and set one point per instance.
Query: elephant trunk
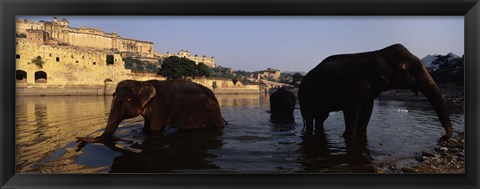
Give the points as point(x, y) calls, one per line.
point(112, 125)
point(434, 95)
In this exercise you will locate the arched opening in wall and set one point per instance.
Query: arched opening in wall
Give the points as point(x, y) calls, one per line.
point(57, 59)
point(21, 76)
point(17, 56)
point(40, 77)
point(108, 80)
point(94, 63)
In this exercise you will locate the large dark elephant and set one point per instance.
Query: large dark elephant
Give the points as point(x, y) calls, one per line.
point(282, 105)
point(351, 82)
point(180, 104)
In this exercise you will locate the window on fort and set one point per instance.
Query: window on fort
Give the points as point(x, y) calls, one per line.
point(110, 60)
point(94, 63)
point(17, 56)
point(21, 76)
point(76, 61)
point(40, 77)
point(57, 59)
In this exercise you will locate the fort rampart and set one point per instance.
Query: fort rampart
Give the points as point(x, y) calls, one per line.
point(63, 70)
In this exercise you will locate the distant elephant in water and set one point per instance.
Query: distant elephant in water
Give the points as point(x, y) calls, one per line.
point(282, 105)
point(180, 104)
point(351, 82)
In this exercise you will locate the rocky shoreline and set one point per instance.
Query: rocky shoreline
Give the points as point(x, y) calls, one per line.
point(448, 157)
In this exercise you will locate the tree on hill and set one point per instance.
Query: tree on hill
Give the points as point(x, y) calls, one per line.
point(448, 61)
point(203, 70)
point(296, 79)
point(139, 65)
point(221, 72)
point(182, 68)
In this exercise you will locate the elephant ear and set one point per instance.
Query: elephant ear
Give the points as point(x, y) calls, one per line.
point(380, 72)
point(145, 92)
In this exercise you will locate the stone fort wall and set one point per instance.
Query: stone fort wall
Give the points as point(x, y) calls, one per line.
point(66, 66)
point(78, 71)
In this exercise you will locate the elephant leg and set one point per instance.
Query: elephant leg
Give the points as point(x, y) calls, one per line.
point(365, 114)
point(308, 121)
point(351, 116)
point(157, 123)
point(319, 120)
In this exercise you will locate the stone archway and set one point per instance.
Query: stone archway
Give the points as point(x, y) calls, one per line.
point(40, 77)
point(21, 76)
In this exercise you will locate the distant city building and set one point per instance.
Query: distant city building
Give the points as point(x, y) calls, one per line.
point(210, 62)
point(271, 73)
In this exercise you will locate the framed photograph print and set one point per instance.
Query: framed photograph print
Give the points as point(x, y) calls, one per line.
point(239, 94)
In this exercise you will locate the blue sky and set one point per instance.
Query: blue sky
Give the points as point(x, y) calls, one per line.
point(288, 43)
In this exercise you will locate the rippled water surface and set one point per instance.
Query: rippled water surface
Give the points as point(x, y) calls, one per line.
point(47, 126)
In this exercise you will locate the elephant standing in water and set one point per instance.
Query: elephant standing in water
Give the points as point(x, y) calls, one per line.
point(282, 105)
point(180, 104)
point(351, 82)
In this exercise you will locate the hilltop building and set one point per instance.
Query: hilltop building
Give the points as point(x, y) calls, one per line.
point(210, 62)
point(58, 32)
point(270, 73)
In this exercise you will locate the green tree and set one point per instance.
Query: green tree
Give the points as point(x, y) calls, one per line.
point(203, 70)
point(221, 72)
point(151, 67)
point(38, 61)
point(178, 68)
point(214, 85)
point(139, 65)
point(296, 79)
point(128, 64)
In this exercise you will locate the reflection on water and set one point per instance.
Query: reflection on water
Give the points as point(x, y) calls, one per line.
point(47, 127)
point(45, 124)
point(181, 150)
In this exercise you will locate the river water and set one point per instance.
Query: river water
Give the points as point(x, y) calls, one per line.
point(47, 126)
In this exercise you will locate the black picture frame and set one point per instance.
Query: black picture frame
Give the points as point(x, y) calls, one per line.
point(9, 9)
